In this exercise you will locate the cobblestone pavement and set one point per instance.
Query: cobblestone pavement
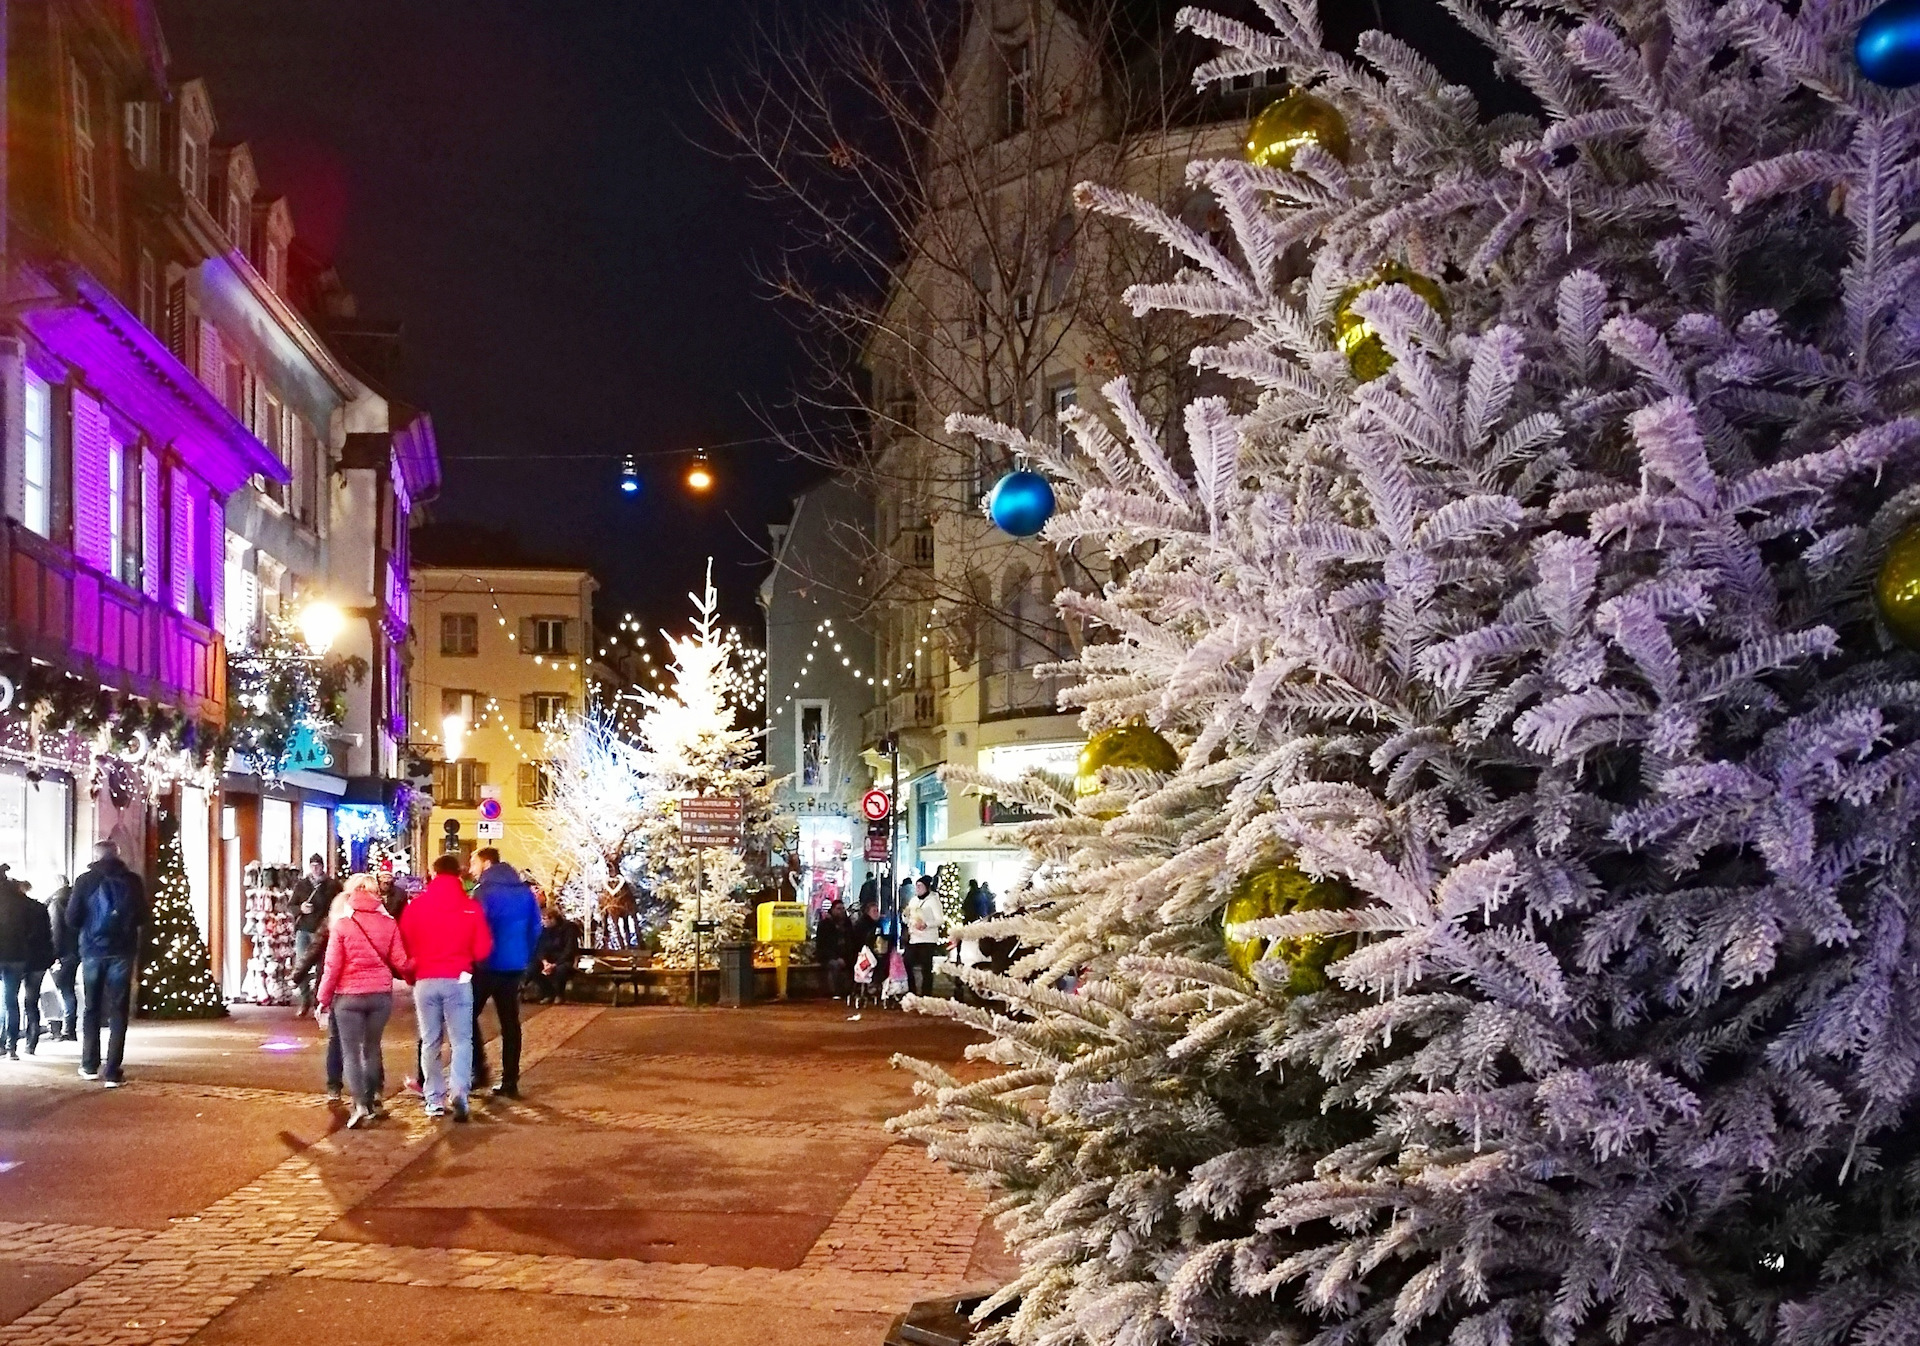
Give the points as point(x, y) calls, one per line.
point(902, 1230)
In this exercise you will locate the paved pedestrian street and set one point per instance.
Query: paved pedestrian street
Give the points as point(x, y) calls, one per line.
point(670, 1176)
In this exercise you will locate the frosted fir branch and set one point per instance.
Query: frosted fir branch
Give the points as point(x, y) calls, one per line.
point(1642, 346)
point(1181, 237)
point(1871, 448)
point(1145, 443)
point(1213, 441)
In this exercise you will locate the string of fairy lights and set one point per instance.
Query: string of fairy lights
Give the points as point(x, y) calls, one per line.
point(824, 630)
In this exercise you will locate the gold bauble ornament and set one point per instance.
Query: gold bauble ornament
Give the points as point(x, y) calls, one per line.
point(1132, 745)
point(1280, 890)
point(1366, 354)
point(1298, 119)
point(1897, 588)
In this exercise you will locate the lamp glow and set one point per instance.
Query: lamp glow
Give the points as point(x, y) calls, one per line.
point(700, 475)
point(453, 734)
point(320, 626)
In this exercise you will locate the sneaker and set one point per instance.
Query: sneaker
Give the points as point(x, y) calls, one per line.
point(380, 1112)
point(435, 1110)
point(113, 1081)
point(413, 1087)
point(70, 1036)
point(335, 1093)
point(86, 1074)
point(357, 1116)
point(460, 1112)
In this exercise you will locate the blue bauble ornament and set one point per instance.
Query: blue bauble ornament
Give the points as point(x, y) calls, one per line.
point(1021, 503)
point(1888, 47)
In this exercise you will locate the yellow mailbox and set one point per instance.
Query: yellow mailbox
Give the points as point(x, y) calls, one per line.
point(782, 922)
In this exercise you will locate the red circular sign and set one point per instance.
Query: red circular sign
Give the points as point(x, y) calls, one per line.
point(875, 805)
point(490, 810)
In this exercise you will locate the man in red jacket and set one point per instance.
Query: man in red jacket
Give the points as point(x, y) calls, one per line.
point(446, 935)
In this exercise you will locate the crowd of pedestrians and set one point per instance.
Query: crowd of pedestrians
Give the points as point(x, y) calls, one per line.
point(887, 950)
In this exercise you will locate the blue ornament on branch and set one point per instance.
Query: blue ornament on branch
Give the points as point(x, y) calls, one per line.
point(1020, 503)
point(1888, 46)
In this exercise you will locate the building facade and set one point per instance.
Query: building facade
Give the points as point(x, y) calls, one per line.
point(185, 457)
point(1008, 304)
point(502, 652)
point(816, 709)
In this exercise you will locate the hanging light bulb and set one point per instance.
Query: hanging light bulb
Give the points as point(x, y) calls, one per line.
point(700, 475)
point(630, 476)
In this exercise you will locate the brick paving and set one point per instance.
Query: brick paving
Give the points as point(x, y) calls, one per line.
point(907, 1230)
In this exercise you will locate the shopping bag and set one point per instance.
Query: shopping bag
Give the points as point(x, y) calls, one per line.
point(863, 967)
point(896, 974)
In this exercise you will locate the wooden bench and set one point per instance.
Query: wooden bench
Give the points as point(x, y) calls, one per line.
point(612, 969)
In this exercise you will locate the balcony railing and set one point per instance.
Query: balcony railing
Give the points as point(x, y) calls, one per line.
point(70, 615)
point(914, 708)
point(1019, 691)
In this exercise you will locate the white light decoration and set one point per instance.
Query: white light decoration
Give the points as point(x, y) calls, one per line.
point(453, 734)
point(320, 625)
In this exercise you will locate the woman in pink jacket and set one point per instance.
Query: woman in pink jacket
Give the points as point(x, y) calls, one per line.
point(364, 954)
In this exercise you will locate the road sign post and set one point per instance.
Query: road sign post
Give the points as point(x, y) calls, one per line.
point(708, 821)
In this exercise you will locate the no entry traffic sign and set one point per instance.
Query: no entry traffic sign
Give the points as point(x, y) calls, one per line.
point(875, 805)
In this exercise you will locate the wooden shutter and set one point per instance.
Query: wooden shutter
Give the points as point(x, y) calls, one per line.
point(150, 515)
point(92, 528)
point(530, 711)
point(441, 773)
point(570, 636)
point(177, 320)
point(529, 784)
point(181, 518)
point(528, 635)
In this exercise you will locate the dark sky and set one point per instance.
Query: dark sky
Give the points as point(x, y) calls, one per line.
point(517, 183)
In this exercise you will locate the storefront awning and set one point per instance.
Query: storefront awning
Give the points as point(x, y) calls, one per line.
point(976, 843)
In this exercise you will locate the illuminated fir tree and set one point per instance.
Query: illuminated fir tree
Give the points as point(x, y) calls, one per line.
point(176, 970)
point(597, 812)
point(692, 745)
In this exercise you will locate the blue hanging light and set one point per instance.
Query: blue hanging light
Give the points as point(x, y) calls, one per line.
point(1020, 503)
point(1887, 47)
point(630, 477)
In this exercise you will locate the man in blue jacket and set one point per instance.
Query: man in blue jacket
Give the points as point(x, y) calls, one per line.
point(105, 917)
point(513, 917)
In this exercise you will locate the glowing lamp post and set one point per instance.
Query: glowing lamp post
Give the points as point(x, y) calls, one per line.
point(320, 626)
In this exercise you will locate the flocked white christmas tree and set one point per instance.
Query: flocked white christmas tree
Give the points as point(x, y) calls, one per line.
point(1520, 591)
point(597, 811)
point(691, 746)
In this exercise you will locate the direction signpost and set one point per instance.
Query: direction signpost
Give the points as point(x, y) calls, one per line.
point(708, 821)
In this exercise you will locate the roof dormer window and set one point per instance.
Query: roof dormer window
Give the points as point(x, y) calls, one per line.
point(193, 163)
point(239, 216)
point(139, 133)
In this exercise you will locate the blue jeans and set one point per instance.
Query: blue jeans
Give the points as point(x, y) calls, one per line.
point(11, 975)
point(108, 983)
point(445, 1008)
point(358, 1021)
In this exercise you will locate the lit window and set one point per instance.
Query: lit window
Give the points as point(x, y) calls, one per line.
point(83, 185)
point(37, 464)
point(116, 519)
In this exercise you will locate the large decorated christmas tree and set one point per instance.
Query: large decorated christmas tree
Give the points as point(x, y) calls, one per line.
point(176, 971)
point(692, 745)
point(1491, 882)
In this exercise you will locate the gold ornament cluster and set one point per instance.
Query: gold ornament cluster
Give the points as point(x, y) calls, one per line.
point(1897, 588)
point(1132, 745)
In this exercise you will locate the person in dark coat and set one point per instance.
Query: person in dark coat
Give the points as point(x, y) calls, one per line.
point(513, 919)
point(66, 966)
point(25, 934)
point(833, 946)
point(553, 956)
point(312, 896)
point(40, 957)
point(105, 918)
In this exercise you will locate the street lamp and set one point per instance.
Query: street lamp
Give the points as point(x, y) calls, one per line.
point(453, 735)
point(700, 475)
point(320, 626)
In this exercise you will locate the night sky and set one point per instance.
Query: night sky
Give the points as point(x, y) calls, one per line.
point(519, 184)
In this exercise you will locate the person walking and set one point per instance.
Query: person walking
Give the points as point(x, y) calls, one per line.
point(926, 923)
point(365, 954)
point(513, 921)
point(312, 962)
point(554, 955)
point(105, 916)
point(313, 894)
point(446, 934)
point(18, 916)
point(833, 946)
point(40, 957)
point(66, 967)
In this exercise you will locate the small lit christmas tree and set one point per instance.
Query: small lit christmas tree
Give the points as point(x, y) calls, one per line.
point(176, 971)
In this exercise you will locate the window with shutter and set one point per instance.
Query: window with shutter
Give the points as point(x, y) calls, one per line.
point(529, 784)
point(459, 634)
point(529, 712)
point(37, 467)
point(92, 489)
point(150, 531)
